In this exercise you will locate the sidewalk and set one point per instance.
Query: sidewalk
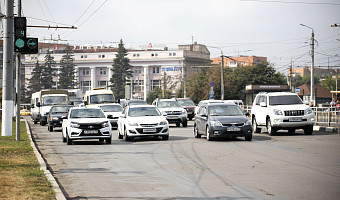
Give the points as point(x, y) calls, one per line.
point(333, 129)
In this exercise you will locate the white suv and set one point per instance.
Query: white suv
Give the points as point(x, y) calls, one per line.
point(281, 110)
point(174, 111)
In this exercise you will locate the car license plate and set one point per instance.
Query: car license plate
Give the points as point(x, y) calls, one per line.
point(90, 131)
point(190, 112)
point(149, 130)
point(295, 119)
point(172, 117)
point(233, 129)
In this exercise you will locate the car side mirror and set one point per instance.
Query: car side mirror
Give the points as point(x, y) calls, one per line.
point(165, 114)
point(63, 117)
point(109, 116)
point(47, 113)
point(263, 104)
point(122, 116)
point(38, 104)
point(247, 114)
point(204, 115)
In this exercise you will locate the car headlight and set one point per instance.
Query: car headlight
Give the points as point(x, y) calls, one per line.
point(277, 112)
point(308, 111)
point(184, 111)
point(215, 123)
point(105, 124)
point(74, 125)
point(54, 118)
point(163, 122)
point(133, 123)
point(248, 122)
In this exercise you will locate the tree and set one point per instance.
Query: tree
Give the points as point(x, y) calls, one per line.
point(198, 86)
point(48, 71)
point(35, 82)
point(306, 79)
point(67, 73)
point(157, 93)
point(121, 72)
point(297, 81)
point(329, 83)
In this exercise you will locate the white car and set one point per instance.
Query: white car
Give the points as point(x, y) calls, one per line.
point(113, 109)
point(173, 111)
point(142, 121)
point(86, 123)
point(281, 110)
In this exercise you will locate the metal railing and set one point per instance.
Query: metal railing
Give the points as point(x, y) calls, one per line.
point(324, 116)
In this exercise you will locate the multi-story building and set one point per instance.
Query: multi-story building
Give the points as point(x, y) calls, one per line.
point(322, 72)
point(234, 62)
point(150, 66)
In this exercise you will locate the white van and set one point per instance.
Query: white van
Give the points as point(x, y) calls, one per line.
point(98, 96)
point(236, 102)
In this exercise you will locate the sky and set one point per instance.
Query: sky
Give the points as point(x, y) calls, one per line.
point(268, 28)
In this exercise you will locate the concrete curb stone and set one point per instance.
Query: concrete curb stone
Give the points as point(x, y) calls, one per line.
point(59, 194)
point(326, 129)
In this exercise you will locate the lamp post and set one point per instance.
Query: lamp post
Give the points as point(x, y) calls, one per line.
point(312, 66)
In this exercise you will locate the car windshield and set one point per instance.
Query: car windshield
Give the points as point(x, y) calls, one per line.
point(284, 100)
point(186, 102)
point(101, 98)
point(143, 111)
point(137, 103)
point(168, 104)
point(112, 108)
point(87, 113)
point(55, 100)
point(59, 109)
point(225, 110)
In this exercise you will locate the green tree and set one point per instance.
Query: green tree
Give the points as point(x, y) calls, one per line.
point(35, 82)
point(198, 85)
point(306, 79)
point(157, 93)
point(121, 72)
point(297, 81)
point(329, 83)
point(66, 77)
point(48, 71)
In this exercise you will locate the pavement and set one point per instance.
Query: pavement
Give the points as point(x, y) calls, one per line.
point(55, 185)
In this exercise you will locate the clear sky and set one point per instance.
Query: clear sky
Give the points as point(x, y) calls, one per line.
point(239, 27)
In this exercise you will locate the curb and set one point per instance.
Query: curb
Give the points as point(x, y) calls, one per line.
point(58, 193)
point(326, 129)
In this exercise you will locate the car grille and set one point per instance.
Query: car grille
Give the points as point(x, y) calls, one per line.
point(232, 124)
point(90, 126)
point(140, 130)
point(294, 113)
point(148, 125)
point(173, 112)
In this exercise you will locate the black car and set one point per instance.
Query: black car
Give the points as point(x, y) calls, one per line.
point(222, 120)
point(54, 116)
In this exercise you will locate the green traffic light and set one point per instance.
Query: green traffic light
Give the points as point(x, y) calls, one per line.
point(20, 43)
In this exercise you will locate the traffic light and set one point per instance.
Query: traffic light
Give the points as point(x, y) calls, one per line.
point(21, 43)
point(19, 34)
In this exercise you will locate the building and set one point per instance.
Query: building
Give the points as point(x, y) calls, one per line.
point(239, 61)
point(322, 95)
point(321, 71)
point(93, 65)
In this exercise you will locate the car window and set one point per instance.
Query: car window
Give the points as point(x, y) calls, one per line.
point(284, 100)
point(186, 102)
point(225, 111)
point(59, 109)
point(112, 108)
point(168, 104)
point(143, 111)
point(87, 113)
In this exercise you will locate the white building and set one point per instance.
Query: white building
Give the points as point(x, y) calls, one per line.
point(149, 66)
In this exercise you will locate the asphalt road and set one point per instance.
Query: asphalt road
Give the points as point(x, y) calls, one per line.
point(285, 166)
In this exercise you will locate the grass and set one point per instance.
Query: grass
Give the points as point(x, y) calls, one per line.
point(20, 174)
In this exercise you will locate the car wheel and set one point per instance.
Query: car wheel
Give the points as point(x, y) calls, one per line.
point(68, 140)
point(101, 140)
point(178, 124)
point(308, 130)
point(291, 130)
point(126, 137)
point(64, 139)
point(248, 137)
point(185, 123)
point(165, 137)
point(120, 136)
point(256, 129)
point(190, 118)
point(50, 128)
point(108, 140)
point(196, 134)
point(271, 130)
point(208, 134)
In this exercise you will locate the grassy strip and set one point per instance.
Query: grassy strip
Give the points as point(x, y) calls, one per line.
point(20, 174)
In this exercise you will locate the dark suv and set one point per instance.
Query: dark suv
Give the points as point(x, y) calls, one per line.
point(54, 116)
point(188, 105)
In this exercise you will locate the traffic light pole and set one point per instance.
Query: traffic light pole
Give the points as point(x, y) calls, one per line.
point(18, 84)
point(7, 81)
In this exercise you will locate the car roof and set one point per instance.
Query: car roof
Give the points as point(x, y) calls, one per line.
point(85, 108)
point(221, 104)
point(108, 104)
point(208, 101)
point(62, 106)
point(142, 106)
point(166, 100)
point(280, 93)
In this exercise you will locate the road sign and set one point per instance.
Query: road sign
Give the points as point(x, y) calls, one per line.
point(297, 90)
point(211, 93)
point(212, 84)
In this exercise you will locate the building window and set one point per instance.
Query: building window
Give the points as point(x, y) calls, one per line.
point(85, 86)
point(137, 55)
point(134, 55)
point(102, 84)
point(156, 54)
point(170, 54)
point(138, 70)
point(157, 70)
point(155, 84)
point(103, 56)
point(81, 56)
point(174, 54)
point(102, 71)
point(152, 55)
point(86, 72)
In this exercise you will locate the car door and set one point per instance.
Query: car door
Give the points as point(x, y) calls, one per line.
point(203, 118)
point(261, 112)
point(121, 120)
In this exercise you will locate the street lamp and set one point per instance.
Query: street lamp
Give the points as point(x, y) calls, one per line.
point(312, 66)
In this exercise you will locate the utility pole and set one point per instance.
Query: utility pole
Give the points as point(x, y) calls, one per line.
point(222, 82)
point(18, 84)
point(290, 75)
point(312, 98)
point(7, 81)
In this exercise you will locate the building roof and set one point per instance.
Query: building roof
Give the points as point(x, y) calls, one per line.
point(319, 91)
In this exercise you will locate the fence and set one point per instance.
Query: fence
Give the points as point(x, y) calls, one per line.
point(324, 116)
